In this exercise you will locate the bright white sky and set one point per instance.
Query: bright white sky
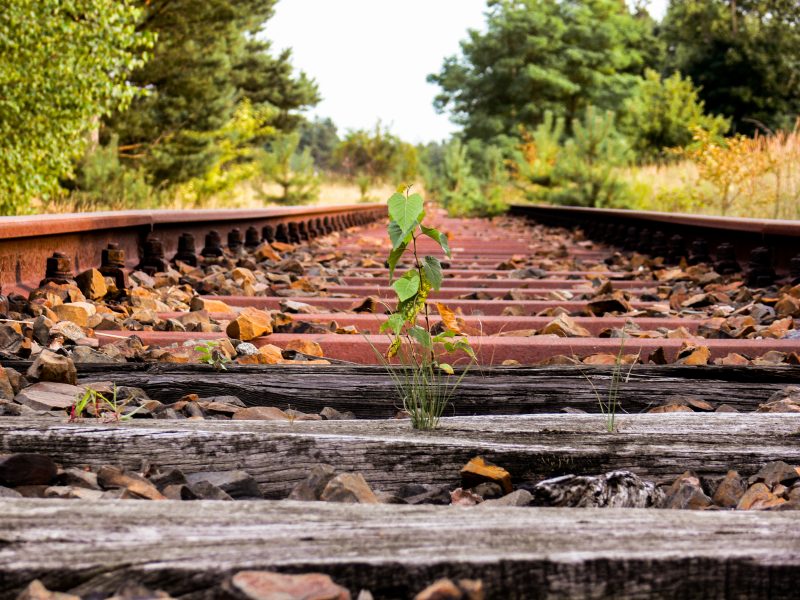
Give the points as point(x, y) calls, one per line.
point(370, 58)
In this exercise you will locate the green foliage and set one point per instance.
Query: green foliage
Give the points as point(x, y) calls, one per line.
point(64, 64)
point(207, 59)
point(610, 404)
point(424, 392)
point(99, 406)
point(236, 155)
point(103, 183)
point(537, 56)
point(742, 54)
point(321, 137)
point(371, 157)
point(456, 187)
point(662, 114)
point(211, 354)
point(581, 171)
point(291, 169)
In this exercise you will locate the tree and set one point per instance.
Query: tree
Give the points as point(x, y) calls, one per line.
point(370, 157)
point(578, 171)
point(321, 137)
point(744, 55)
point(292, 169)
point(62, 66)
point(544, 55)
point(662, 113)
point(206, 60)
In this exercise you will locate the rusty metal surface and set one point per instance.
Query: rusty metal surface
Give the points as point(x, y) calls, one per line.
point(26, 242)
point(762, 226)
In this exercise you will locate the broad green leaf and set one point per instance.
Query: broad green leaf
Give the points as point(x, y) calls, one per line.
point(433, 271)
point(446, 368)
point(406, 212)
point(437, 236)
point(422, 336)
point(395, 233)
point(394, 256)
point(394, 323)
point(407, 286)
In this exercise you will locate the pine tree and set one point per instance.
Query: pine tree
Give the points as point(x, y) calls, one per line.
point(205, 60)
point(544, 55)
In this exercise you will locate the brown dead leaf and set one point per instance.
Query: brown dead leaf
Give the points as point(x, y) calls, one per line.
point(565, 326)
point(449, 318)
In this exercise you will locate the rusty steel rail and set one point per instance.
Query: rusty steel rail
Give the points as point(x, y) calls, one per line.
point(83, 240)
point(754, 243)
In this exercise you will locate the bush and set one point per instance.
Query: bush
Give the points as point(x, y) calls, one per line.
point(662, 114)
point(292, 170)
point(581, 171)
point(103, 183)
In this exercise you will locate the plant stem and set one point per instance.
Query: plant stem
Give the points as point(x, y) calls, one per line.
point(421, 279)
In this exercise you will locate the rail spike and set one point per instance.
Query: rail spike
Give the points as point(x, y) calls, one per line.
point(252, 239)
point(153, 257)
point(212, 251)
point(699, 252)
point(726, 260)
point(187, 251)
point(58, 269)
point(235, 242)
point(112, 264)
point(760, 272)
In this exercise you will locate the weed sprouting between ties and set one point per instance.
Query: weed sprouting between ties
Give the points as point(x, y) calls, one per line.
point(426, 385)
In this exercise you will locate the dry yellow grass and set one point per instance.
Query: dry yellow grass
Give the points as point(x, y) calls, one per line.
point(747, 177)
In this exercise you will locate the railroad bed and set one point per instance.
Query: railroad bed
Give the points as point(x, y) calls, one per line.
point(690, 495)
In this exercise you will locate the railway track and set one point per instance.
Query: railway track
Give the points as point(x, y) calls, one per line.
point(553, 300)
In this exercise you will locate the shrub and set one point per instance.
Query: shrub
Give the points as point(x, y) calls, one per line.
point(662, 113)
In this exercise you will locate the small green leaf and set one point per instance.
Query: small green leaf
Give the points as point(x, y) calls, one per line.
point(446, 368)
point(433, 271)
point(394, 323)
point(406, 211)
point(407, 286)
point(441, 337)
point(394, 256)
point(422, 336)
point(437, 236)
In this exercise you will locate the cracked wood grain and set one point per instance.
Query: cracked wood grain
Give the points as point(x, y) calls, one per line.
point(389, 453)
point(188, 549)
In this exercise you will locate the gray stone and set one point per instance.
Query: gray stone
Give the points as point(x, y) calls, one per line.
point(246, 349)
point(10, 340)
point(237, 484)
point(69, 330)
point(83, 354)
point(312, 487)
point(208, 491)
point(6, 492)
point(516, 498)
point(488, 490)
point(50, 366)
point(48, 395)
point(331, 414)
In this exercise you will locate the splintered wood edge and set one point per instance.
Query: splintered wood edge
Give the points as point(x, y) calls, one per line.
point(395, 550)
